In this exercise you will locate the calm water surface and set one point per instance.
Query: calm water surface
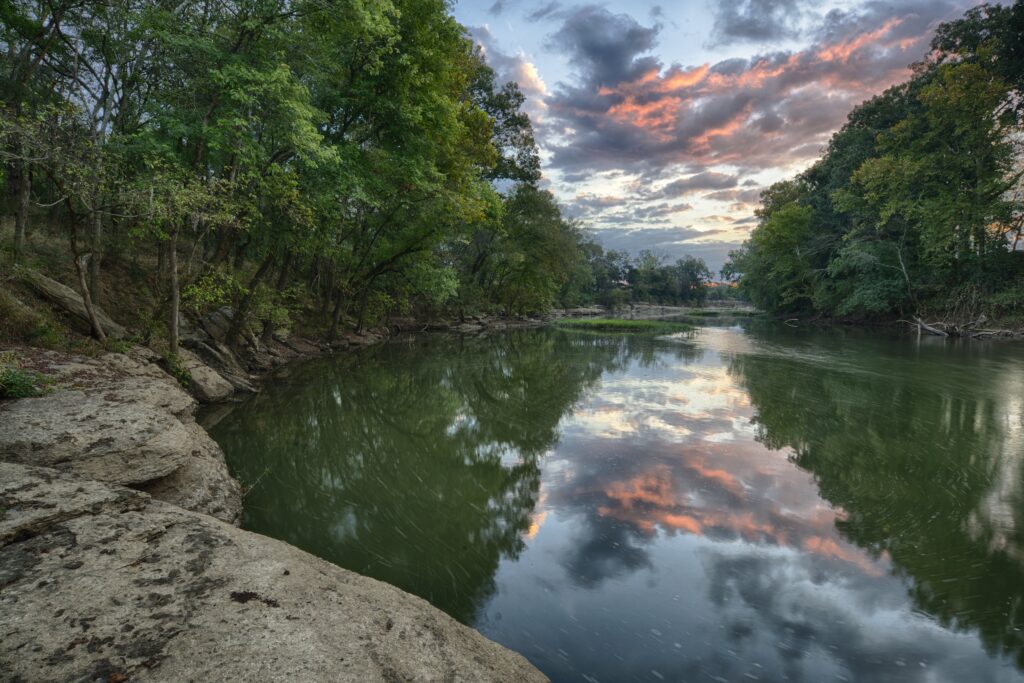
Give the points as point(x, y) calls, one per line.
point(741, 503)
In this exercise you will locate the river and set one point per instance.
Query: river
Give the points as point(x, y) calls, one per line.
point(744, 502)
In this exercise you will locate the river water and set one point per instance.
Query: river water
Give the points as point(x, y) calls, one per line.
point(745, 502)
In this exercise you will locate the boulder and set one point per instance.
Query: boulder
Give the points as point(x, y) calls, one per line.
point(103, 583)
point(71, 301)
point(220, 357)
point(207, 385)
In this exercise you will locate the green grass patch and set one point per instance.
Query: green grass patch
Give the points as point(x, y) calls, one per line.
point(16, 382)
point(622, 325)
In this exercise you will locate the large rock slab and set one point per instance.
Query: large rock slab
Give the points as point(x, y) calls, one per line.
point(101, 583)
point(93, 435)
point(71, 301)
point(207, 385)
point(121, 419)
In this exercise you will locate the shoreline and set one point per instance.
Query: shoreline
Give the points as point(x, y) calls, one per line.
point(119, 439)
point(121, 558)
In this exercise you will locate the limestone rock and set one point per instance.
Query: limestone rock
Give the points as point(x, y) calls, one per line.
point(120, 419)
point(71, 301)
point(111, 586)
point(207, 384)
point(203, 484)
point(94, 436)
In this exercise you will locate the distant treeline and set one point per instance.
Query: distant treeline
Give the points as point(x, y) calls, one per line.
point(341, 161)
point(915, 206)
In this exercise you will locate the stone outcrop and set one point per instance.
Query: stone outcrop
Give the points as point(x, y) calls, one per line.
point(71, 301)
point(90, 436)
point(120, 419)
point(103, 583)
point(207, 385)
point(152, 582)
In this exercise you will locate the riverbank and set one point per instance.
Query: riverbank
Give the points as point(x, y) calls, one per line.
point(120, 559)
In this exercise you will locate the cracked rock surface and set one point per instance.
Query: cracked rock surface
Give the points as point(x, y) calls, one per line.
point(120, 419)
point(101, 582)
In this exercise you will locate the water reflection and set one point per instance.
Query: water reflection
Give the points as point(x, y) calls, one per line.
point(744, 505)
point(416, 464)
point(927, 465)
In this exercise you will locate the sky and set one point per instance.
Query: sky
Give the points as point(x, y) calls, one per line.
point(660, 122)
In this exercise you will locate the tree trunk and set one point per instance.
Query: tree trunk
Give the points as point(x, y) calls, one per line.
point(238, 321)
point(335, 317)
point(21, 215)
point(172, 265)
point(80, 266)
point(362, 310)
point(161, 265)
point(282, 280)
point(95, 238)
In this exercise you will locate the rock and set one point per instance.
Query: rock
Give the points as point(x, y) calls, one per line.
point(94, 436)
point(225, 362)
point(34, 499)
point(121, 419)
point(71, 301)
point(203, 484)
point(102, 583)
point(207, 384)
point(217, 323)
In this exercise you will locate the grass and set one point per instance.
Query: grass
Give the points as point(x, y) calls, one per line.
point(16, 382)
point(621, 325)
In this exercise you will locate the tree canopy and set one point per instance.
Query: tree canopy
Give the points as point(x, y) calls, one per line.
point(915, 205)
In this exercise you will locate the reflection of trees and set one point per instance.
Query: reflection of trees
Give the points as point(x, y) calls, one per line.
point(415, 464)
point(910, 448)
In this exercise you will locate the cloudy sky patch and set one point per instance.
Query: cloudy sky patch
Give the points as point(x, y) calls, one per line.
point(700, 105)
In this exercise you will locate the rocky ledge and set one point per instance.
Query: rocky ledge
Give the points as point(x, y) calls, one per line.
point(119, 558)
point(120, 419)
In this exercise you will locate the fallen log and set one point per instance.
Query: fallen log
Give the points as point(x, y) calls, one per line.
point(930, 329)
point(71, 301)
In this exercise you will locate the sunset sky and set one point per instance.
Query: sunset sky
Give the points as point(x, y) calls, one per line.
point(659, 123)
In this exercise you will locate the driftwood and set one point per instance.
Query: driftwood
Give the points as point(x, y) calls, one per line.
point(930, 329)
point(971, 330)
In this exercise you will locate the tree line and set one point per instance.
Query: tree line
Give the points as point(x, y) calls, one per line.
point(353, 159)
point(915, 206)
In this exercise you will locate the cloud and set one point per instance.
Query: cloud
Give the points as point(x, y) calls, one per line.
point(516, 68)
point(605, 46)
point(544, 11)
point(708, 180)
point(674, 242)
point(751, 196)
point(625, 109)
point(762, 21)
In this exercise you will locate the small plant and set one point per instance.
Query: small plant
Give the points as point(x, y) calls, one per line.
point(16, 382)
point(117, 345)
point(178, 370)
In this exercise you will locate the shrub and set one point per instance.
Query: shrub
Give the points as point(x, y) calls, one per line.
point(16, 382)
point(178, 370)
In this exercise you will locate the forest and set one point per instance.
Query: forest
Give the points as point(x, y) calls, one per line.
point(915, 208)
point(335, 161)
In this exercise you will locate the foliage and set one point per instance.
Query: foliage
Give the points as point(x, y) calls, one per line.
point(356, 159)
point(213, 289)
point(916, 200)
point(176, 368)
point(16, 382)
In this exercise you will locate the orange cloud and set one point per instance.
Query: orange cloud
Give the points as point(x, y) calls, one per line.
point(841, 52)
